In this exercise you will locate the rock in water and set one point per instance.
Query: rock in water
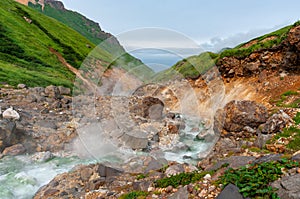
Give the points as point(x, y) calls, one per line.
point(10, 113)
point(136, 139)
point(17, 149)
point(239, 114)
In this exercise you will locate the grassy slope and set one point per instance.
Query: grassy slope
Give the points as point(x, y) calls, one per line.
point(24, 47)
point(193, 66)
point(93, 32)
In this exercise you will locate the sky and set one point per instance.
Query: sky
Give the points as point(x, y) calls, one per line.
point(211, 25)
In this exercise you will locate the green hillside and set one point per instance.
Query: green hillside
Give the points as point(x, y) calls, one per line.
point(92, 31)
point(24, 48)
point(26, 37)
point(193, 66)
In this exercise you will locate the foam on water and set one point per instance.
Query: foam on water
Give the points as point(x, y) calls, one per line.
point(20, 178)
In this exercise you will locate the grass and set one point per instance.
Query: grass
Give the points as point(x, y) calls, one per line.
point(283, 97)
point(92, 31)
point(24, 47)
point(253, 180)
point(25, 55)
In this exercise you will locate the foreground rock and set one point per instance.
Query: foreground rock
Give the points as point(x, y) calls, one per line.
point(288, 187)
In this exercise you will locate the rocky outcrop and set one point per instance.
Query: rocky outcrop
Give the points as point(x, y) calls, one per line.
point(284, 56)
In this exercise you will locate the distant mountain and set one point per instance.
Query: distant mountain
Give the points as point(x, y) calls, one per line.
point(30, 43)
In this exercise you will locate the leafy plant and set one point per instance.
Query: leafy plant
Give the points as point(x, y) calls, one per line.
point(180, 179)
point(253, 180)
point(135, 195)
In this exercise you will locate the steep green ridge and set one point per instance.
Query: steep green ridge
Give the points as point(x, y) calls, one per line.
point(24, 48)
point(193, 66)
point(26, 37)
point(92, 31)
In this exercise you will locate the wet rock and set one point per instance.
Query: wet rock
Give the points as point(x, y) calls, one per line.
point(239, 114)
point(136, 139)
point(17, 149)
point(288, 187)
point(156, 164)
point(105, 171)
point(10, 113)
point(42, 156)
point(229, 192)
point(174, 169)
point(206, 136)
point(275, 123)
point(219, 119)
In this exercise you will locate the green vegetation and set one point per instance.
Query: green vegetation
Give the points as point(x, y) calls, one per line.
point(190, 67)
point(253, 180)
point(297, 118)
point(141, 176)
point(292, 134)
point(180, 179)
point(283, 97)
point(92, 31)
point(135, 195)
point(24, 47)
point(26, 37)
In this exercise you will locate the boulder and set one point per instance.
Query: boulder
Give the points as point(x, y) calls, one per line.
point(7, 133)
point(152, 108)
point(156, 164)
point(10, 113)
point(239, 114)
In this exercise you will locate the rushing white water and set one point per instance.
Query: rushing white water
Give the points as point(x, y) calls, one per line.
point(20, 177)
point(188, 147)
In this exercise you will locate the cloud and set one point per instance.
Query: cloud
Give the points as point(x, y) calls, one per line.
point(216, 44)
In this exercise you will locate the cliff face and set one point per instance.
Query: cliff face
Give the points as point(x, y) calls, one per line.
point(284, 57)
